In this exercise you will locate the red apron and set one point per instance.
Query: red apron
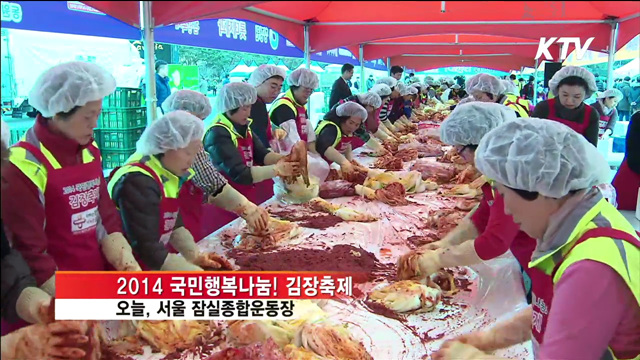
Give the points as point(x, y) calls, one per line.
point(543, 288)
point(190, 200)
point(301, 121)
point(626, 183)
point(169, 208)
point(602, 124)
point(71, 197)
point(342, 146)
point(577, 127)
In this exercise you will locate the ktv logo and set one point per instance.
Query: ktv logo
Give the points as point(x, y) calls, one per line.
point(545, 44)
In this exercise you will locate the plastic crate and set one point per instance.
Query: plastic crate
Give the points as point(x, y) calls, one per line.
point(111, 159)
point(117, 139)
point(17, 133)
point(123, 98)
point(125, 118)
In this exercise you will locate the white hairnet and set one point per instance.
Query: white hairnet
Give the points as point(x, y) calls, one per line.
point(417, 84)
point(611, 93)
point(540, 155)
point(370, 98)
point(351, 109)
point(510, 87)
point(408, 90)
point(175, 130)
point(264, 73)
point(235, 95)
point(486, 83)
point(436, 83)
point(468, 99)
point(428, 78)
point(188, 100)
point(468, 123)
point(471, 82)
point(71, 84)
point(443, 87)
point(389, 81)
point(381, 89)
point(568, 71)
point(400, 87)
point(456, 86)
point(303, 77)
point(6, 134)
point(448, 80)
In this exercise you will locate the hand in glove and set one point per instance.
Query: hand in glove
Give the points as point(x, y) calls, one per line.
point(419, 264)
point(212, 261)
point(346, 167)
point(285, 168)
point(279, 134)
point(458, 351)
point(256, 217)
point(58, 340)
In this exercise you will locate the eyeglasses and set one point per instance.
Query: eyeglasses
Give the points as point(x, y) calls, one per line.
point(463, 148)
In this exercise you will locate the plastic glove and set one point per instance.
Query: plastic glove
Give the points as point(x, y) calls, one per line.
point(419, 264)
point(256, 217)
point(182, 240)
point(175, 262)
point(233, 201)
point(212, 261)
point(49, 286)
point(279, 134)
point(33, 306)
point(346, 167)
point(458, 351)
point(118, 252)
point(285, 168)
point(58, 340)
point(465, 231)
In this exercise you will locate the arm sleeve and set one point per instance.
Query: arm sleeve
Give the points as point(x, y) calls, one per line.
point(282, 114)
point(225, 156)
point(23, 216)
point(633, 147)
point(480, 217)
point(578, 305)
point(138, 197)
point(591, 133)
point(16, 276)
point(541, 110)
point(326, 138)
point(108, 212)
point(259, 151)
point(496, 238)
point(613, 120)
point(207, 178)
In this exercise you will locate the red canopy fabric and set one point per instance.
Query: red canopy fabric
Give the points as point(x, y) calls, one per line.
point(502, 63)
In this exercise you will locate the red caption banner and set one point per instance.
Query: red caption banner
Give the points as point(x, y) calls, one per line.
point(202, 285)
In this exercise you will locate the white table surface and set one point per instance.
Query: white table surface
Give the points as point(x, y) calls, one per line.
point(631, 217)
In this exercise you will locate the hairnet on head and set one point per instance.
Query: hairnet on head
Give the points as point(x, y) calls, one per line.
point(188, 100)
point(389, 81)
point(428, 78)
point(71, 84)
point(6, 134)
point(456, 87)
point(351, 108)
point(381, 90)
point(235, 95)
point(408, 90)
point(303, 77)
point(580, 72)
point(510, 87)
point(175, 130)
point(443, 87)
point(468, 99)
point(264, 73)
point(615, 93)
point(468, 123)
point(471, 82)
point(540, 155)
point(488, 84)
point(371, 99)
point(400, 87)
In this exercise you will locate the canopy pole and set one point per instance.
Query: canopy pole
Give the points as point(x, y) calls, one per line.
point(307, 52)
point(389, 65)
point(361, 69)
point(535, 83)
point(149, 46)
point(613, 44)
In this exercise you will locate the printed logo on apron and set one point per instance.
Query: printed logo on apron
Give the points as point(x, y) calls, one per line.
point(247, 154)
point(84, 221)
point(169, 222)
point(83, 196)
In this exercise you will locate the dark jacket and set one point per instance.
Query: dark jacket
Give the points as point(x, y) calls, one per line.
point(16, 276)
point(260, 117)
point(575, 115)
point(340, 90)
point(162, 89)
point(625, 103)
point(527, 91)
point(632, 151)
point(138, 198)
point(226, 157)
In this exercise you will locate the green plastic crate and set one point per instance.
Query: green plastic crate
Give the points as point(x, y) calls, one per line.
point(111, 159)
point(17, 129)
point(125, 118)
point(117, 139)
point(123, 98)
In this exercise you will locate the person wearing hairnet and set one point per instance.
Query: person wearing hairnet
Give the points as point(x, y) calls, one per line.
point(336, 139)
point(488, 88)
point(55, 178)
point(373, 122)
point(627, 179)
point(457, 93)
point(237, 154)
point(589, 253)
point(489, 232)
point(146, 191)
point(571, 85)
point(290, 111)
point(201, 219)
point(385, 110)
point(606, 108)
point(402, 110)
point(371, 102)
point(267, 79)
point(514, 101)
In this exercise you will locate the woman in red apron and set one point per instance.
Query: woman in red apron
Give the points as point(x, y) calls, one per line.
point(336, 138)
point(549, 191)
point(239, 156)
point(55, 178)
point(147, 189)
point(208, 189)
point(606, 108)
point(627, 180)
point(571, 85)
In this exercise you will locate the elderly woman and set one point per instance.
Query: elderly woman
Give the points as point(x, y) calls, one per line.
point(590, 254)
point(402, 106)
point(489, 232)
point(606, 108)
point(56, 205)
point(290, 111)
point(336, 139)
point(571, 86)
point(146, 191)
point(371, 102)
point(211, 186)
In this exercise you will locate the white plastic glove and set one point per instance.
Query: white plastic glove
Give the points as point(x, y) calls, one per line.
point(33, 305)
point(334, 155)
point(256, 217)
point(49, 286)
point(118, 252)
point(233, 201)
point(182, 240)
point(465, 231)
point(419, 264)
point(376, 147)
point(287, 168)
point(175, 262)
point(57, 340)
point(455, 350)
point(346, 167)
point(279, 134)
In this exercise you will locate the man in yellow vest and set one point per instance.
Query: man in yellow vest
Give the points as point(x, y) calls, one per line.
point(588, 307)
point(488, 88)
point(513, 100)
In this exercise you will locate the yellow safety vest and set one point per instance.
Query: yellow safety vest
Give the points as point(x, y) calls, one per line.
point(31, 167)
point(518, 104)
point(282, 101)
point(323, 124)
point(225, 123)
point(620, 255)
